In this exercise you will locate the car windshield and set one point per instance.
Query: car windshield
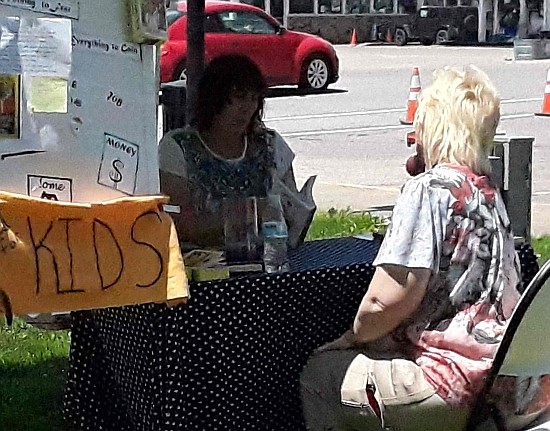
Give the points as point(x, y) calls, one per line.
point(173, 15)
point(246, 22)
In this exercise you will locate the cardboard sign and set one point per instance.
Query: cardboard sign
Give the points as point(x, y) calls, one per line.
point(58, 256)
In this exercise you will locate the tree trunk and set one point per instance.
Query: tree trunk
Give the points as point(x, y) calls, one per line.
point(546, 15)
point(482, 20)
point(523, 23)
point(496, 18)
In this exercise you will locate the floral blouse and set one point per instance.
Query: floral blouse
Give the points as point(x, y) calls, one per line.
point(209, 178)
point(453, 222)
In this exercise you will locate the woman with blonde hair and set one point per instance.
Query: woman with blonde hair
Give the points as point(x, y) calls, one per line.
point(445, 285)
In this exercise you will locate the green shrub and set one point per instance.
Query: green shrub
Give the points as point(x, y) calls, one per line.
point(337, 223)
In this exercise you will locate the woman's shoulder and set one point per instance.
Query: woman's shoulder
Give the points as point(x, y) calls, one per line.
point(438, 177)
point(172, 150)
point(282, 153)
point(177, 136)
point(434, 185)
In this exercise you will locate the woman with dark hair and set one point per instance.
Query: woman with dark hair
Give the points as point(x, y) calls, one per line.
point(227, 152)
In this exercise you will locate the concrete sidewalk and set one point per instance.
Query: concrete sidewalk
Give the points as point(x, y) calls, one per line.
point(361, 198)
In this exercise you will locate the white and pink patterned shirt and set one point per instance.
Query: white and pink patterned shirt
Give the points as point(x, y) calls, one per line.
point(453, 222)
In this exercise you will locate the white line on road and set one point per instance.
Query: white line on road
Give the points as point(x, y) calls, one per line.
point(362, 187)
point(532, 99)
point(337, 114)
point(336, 131)
point(376, 128)
point(514, 116)
point(375, 111)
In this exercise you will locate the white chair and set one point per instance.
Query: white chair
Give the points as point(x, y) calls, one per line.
point(524, 353)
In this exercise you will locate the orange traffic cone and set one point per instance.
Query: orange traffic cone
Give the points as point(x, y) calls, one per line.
point(545, 111)
point(412, 103)
point(353, 41)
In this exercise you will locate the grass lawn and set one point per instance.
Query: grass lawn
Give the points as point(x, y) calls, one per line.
point(32, 375)
point(33, 363)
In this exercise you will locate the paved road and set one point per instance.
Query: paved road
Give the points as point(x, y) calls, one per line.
point(351, 136)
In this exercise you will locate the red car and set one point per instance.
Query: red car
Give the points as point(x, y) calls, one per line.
point(284, 57)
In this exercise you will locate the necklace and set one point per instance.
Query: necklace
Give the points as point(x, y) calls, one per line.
point(218, 156)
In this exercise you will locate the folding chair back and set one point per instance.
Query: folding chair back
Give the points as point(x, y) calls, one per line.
point(525, 348)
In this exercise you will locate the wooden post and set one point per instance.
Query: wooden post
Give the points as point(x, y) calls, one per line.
point(497, 170)
point(195, 54)
point(316, 7)
point(267, 7)
point(516, 156)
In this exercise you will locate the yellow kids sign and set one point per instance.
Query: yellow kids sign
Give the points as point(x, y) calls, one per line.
point(64, 256)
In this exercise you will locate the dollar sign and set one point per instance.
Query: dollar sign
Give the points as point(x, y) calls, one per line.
point(114, 174)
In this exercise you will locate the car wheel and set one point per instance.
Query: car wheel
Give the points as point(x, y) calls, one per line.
point(400, 37)
point(315, 73)
point(426, 41)
point(181, 72)
point(442, 36)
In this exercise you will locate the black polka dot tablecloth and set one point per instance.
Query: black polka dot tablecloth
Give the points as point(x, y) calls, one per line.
point(229, 359)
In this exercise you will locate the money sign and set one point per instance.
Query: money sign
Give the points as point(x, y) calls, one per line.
point(114, 174)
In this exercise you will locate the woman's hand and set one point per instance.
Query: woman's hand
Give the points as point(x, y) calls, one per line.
point(346, 341)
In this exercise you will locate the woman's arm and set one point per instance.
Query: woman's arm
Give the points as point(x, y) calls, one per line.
point(176, 188)
point(394, 294)
point(196, 228)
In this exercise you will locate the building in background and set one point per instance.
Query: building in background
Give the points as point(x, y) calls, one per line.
point(335, 19)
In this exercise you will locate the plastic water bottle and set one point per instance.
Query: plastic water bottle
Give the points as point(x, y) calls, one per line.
point(275, 246)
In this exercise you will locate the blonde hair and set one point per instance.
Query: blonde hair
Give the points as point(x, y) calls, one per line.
point(456, 119)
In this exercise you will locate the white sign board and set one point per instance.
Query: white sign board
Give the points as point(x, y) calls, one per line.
point(78, 102)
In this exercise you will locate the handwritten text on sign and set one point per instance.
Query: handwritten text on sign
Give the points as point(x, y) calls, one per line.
point(61, 256)
point(102, 46)
point(67, 8)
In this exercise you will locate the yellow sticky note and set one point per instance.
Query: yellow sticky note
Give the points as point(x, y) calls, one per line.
point(48, 94)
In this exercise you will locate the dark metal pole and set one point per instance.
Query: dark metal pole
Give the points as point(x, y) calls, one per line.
point(195, 54)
